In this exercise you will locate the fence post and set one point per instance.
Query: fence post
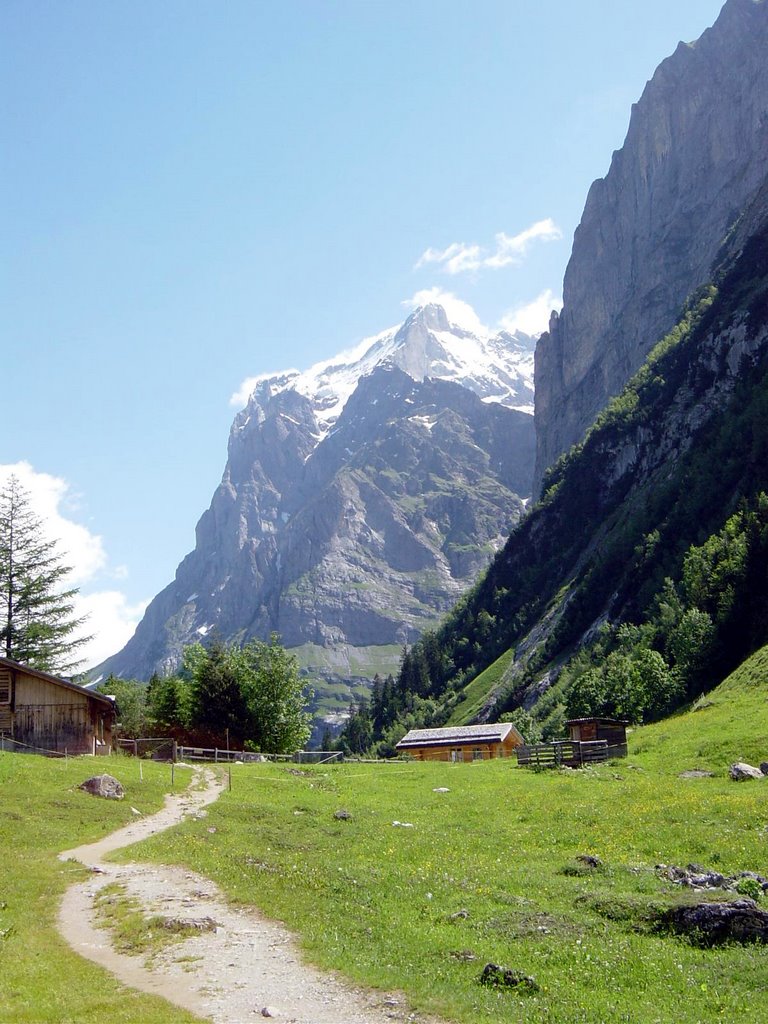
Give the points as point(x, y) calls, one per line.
point(174, 751)
point(215, 755)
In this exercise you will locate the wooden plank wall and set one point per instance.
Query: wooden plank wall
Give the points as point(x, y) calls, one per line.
point(53, 717)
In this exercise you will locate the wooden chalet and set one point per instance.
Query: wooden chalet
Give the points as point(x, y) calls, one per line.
point(461, 743)
point(589, 730)
point(52, 715)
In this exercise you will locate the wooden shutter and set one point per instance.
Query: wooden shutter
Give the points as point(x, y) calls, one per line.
point(5, 686)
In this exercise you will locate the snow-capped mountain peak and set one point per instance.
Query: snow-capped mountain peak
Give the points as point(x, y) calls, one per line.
point(498, 367)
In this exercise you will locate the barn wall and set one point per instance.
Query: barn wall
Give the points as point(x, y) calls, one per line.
point(437, 753)
point(57, 718)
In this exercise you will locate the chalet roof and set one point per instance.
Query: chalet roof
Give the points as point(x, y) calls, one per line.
point(56, 680)
point(608, 721)
point(458, 735)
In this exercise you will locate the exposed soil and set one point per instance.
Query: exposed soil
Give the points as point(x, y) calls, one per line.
point(246, 969)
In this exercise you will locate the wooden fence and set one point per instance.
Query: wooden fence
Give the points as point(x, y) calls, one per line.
point(567, 753)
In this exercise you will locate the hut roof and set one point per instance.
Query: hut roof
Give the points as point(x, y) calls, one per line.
point(610, 721)
point(458, 735)
point(56, 680)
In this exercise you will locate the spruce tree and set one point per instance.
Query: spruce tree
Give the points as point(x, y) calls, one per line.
point(37, 622)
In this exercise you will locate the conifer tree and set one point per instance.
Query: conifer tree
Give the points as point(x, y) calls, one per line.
point(37, 622)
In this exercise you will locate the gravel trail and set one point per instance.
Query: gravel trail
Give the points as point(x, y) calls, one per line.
point(245, 969)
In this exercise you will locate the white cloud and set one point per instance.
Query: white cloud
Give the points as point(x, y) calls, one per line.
point(111, 622)
point(460, 257)
point(239, 398)
point(533, 317)
point(456, 259)
point(51, 500)
point(458, 311)
point(111, 619)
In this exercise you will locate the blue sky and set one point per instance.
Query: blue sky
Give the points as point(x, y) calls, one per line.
point(198, 192)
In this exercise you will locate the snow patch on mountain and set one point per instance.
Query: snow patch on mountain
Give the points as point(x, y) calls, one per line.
point(497, 367)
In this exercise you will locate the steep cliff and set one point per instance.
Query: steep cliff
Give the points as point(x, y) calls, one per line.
point(694, 156)
point(661, 471)
point(358, 501)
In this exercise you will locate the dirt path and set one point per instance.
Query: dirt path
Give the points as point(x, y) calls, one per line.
point(246, 968)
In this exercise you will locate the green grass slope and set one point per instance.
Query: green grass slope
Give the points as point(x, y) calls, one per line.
point(728, 724)
point(488, 871)
point(41, 813)
point(476, 694)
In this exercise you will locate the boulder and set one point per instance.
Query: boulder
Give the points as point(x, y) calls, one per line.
point(764, 767)
point(504, 977)
point(740, 771)
point(589, 860)
point(710, 924)
point(106, 786)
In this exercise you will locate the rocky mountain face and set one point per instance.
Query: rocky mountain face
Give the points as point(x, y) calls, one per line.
point(694, 157)
point(358, 501)
point(657, 478)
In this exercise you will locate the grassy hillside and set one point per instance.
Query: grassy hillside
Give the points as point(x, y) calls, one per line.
point(488, 871)
point(728, 724)
point(41, 813)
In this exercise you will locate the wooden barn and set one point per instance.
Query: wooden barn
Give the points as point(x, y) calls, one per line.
point(612, 730)
point(51, 714)
point(461, 743)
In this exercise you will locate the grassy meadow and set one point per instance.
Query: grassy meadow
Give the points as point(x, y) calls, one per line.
point(41, 813)
point(418, 889)
point(488, 871)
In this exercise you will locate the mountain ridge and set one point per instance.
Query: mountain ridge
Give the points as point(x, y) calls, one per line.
point(355, 508)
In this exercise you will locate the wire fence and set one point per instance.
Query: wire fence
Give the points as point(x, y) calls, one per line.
point(17, 747)
point(219, 756)
point(156, 748)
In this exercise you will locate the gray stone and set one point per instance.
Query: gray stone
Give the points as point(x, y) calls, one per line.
point(710, 924)
point(504, 977)
point(106, 786)
point(589, 860)
point(695, 773)
point(459, 915)
point(741, 771)
point(342, 815)
point(194, 924)
point(764, 767)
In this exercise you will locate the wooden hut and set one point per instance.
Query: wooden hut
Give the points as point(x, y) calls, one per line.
point(50, 714)
point(612, 730)
point(461, 743)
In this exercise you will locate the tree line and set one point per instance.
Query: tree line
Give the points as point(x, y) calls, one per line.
point(241, 698)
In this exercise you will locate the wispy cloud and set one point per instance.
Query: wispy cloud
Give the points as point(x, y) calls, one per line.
point(111, 619)
point(509, 250)
point(532, 317)
point(458, 311)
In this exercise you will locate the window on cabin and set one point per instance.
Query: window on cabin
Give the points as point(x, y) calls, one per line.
point(457, 755)
point(5, 687)
point(477, 754)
